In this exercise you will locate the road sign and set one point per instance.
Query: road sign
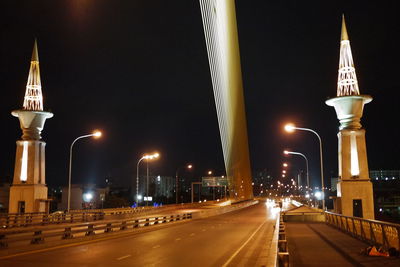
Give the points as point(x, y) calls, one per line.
point(212, 181)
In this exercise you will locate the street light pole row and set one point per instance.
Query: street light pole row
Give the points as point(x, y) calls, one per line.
point(291, 128)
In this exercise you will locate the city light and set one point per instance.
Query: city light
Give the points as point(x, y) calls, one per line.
point(87, 197)
point(97, 134)
point(290, 127)
point(285, 164)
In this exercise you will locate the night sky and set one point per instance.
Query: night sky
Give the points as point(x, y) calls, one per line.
point(138, 71)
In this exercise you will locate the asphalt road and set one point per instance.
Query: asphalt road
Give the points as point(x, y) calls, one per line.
point(240, 238)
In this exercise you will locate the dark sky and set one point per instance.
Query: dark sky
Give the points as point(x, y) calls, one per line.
point(138, 70)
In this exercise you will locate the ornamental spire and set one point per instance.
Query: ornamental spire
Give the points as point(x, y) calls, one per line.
point(347, 79)
point(33, 99)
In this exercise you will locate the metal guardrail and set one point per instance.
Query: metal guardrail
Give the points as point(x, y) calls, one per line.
point(35, 219)
point(75, 216)
point(372, 231)
point(40, 235)
point(283, 249)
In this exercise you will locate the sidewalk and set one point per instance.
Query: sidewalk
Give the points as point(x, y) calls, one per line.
point(317, 244)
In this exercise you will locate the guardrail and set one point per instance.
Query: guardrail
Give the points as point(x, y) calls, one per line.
point(372, 231)
point(283, 249)
point(75, 216)
point(40, 235)
point(35, 219)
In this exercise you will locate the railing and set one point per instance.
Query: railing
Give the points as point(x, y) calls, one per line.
point(35, 219)
point(372, 231)
point(75, 216)
point(56, 233)
point(282, 244)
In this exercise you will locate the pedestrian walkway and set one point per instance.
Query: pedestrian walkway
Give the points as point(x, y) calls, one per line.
point(317, 244)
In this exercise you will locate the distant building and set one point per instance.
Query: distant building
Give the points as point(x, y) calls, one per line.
point(262, 180)
point(83, 197)
point(387, 192)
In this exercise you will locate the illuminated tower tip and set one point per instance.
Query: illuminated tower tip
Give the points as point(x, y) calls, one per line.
point(347, 79)
point(344, 30)
point(33, 99)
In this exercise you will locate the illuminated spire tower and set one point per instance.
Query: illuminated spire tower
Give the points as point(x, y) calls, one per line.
point(354, 189)
point(28, 192)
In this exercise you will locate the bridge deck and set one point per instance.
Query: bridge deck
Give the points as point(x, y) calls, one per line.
point(317, 244)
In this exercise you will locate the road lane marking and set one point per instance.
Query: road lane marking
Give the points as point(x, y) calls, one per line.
point(192, 234)
point(123, 257)
point(242, 246)
point(177, 239)
point(157, 246)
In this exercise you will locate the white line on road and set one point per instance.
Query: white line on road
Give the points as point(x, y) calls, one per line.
point(123, 257)
point(244, 244)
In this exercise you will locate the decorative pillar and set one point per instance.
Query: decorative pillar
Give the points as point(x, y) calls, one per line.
point(28, 192)
point(354, 188)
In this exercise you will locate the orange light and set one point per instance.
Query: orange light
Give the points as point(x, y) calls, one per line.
point(97, 134)
point(290, 128)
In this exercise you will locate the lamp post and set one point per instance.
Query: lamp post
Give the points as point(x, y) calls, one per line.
point(286, 152)
point(96, 134)
point(291, 128)
point(188, 166)
point(146, 157)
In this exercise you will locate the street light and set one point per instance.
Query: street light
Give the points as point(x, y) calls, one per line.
point(96, 134)
point(284, 165)
point(146, 157)
point(188, 166)
point(286, 152)
point(291, 128)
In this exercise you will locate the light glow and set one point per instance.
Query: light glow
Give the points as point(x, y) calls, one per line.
point(354, 165)
point(87, 197)
point(97, 134)
point(290, 128)
point(24, 165)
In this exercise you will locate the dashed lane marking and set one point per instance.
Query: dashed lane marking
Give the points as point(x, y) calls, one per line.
point(123, 257)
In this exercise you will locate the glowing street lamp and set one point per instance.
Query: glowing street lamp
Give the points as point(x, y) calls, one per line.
point(286, 152)
point(95, 134)
point(145, 157)
point(285, 165)
point(291, 128)
point(209, 172)
point(188, 166)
